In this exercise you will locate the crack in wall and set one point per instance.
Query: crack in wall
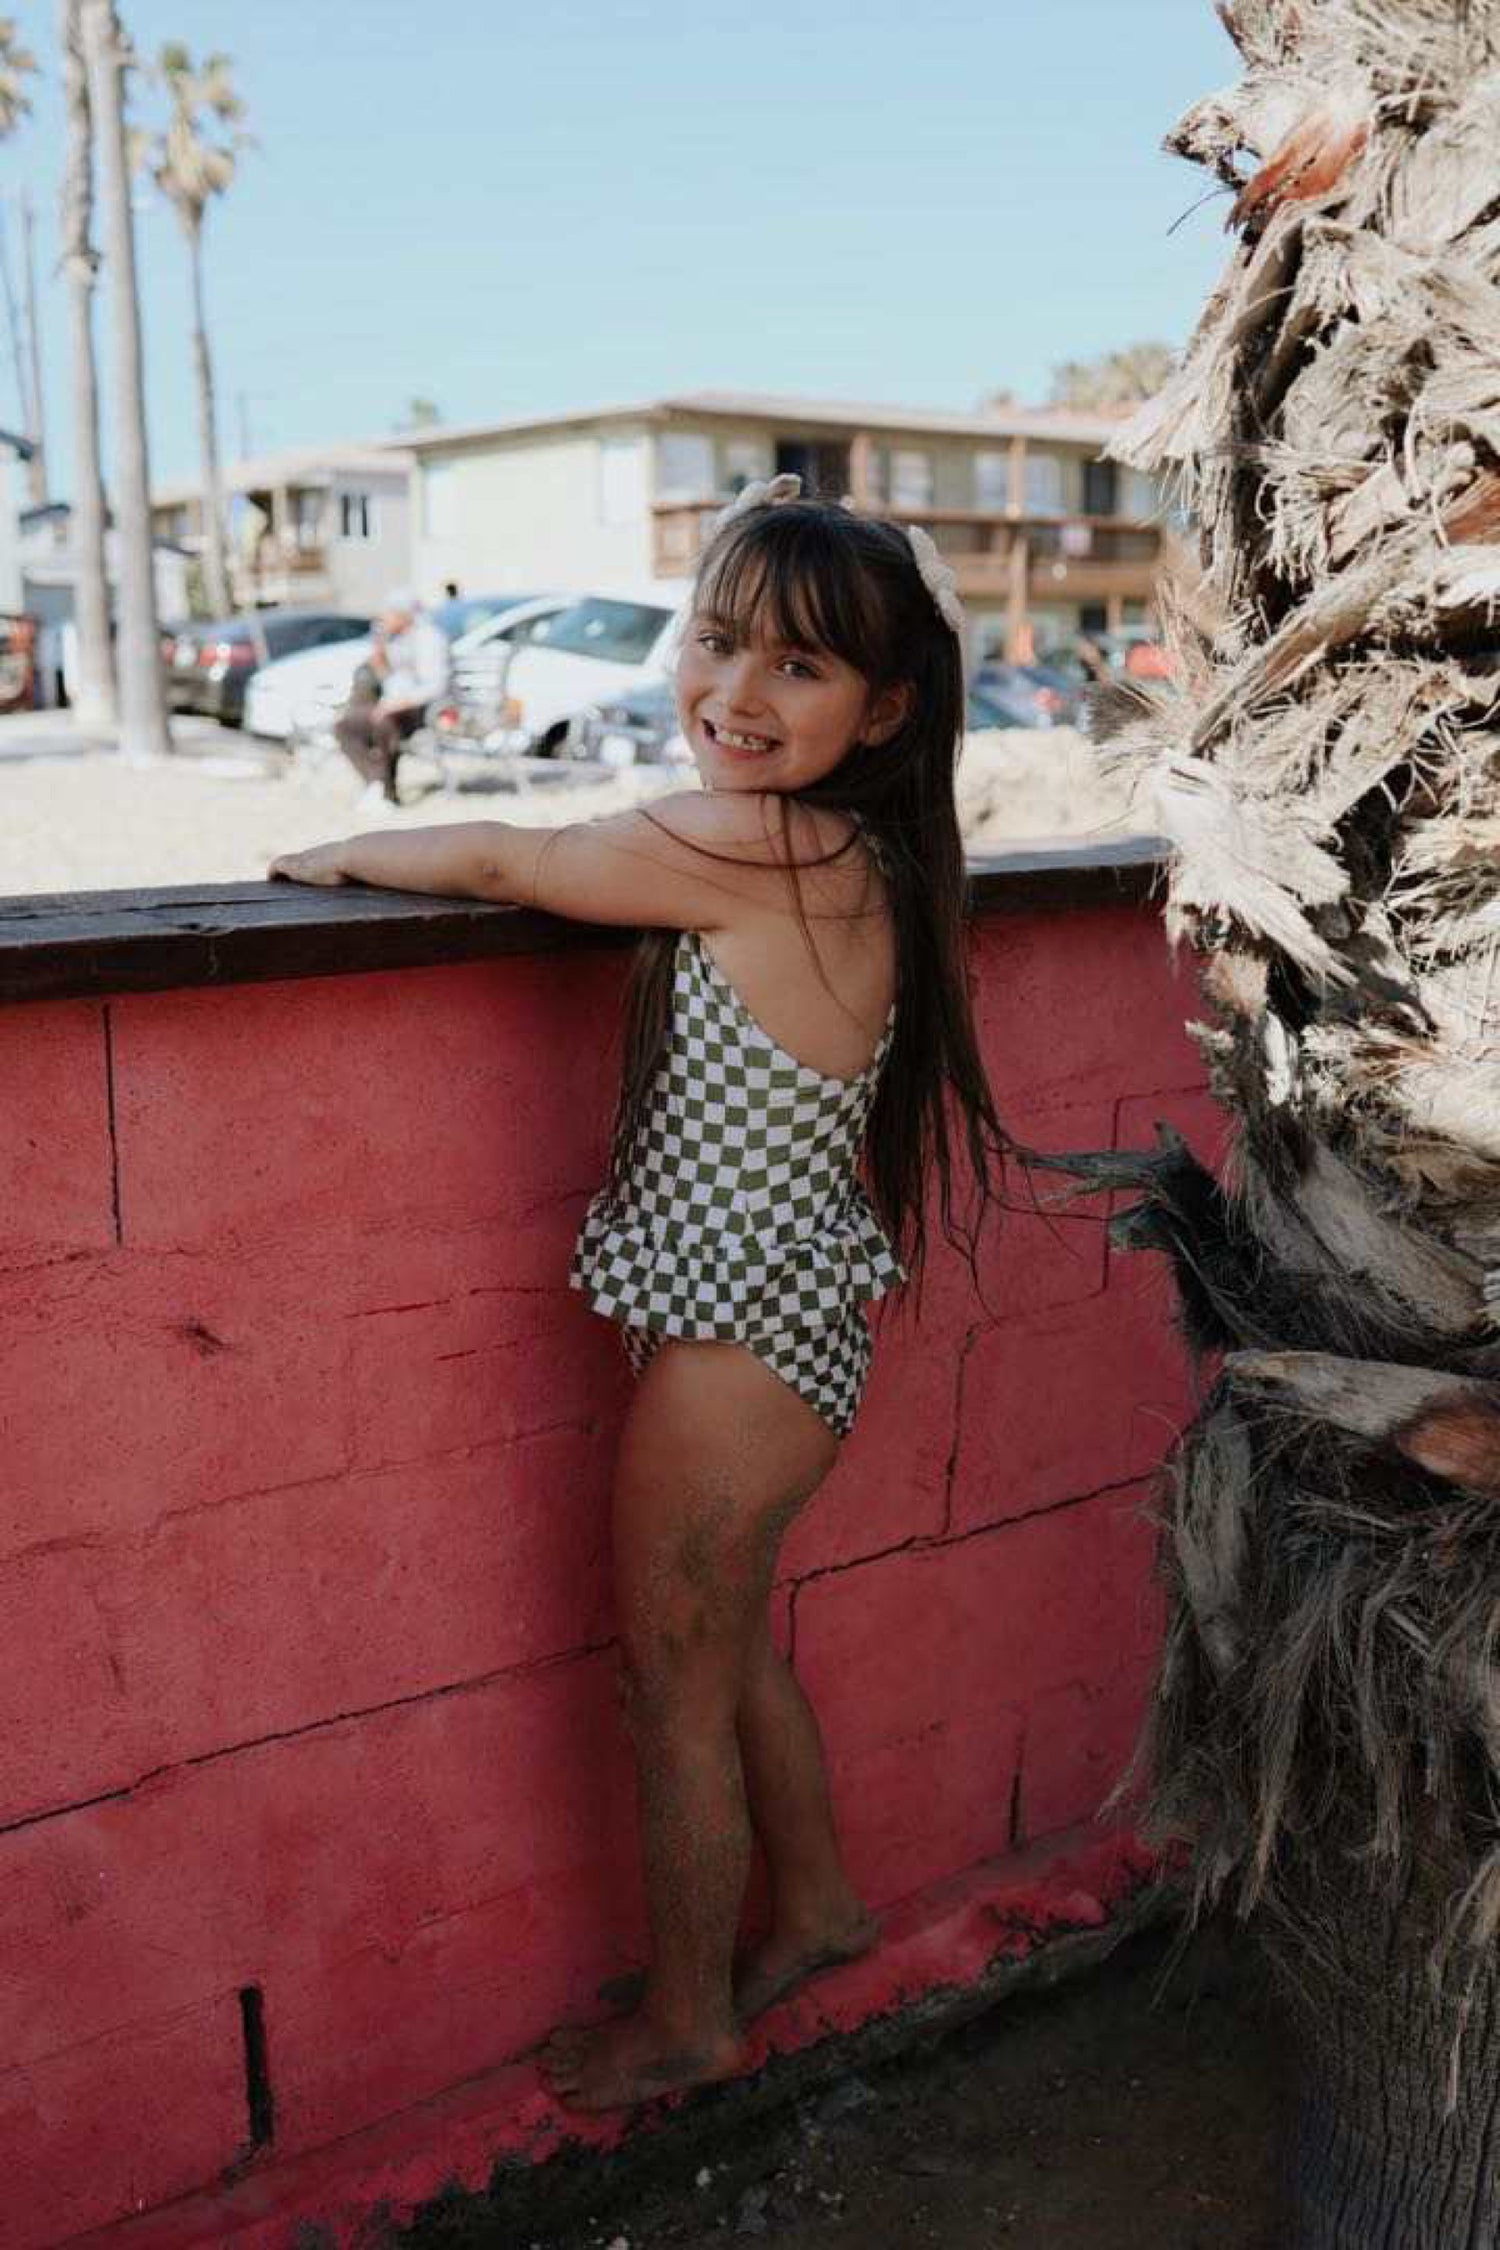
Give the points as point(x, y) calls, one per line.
point(114, 1136)
point(928, 1542)
point(555, 1289)
point(89, 1542)
point(586, 1426)
point(504, 1673)
point(950, 1469)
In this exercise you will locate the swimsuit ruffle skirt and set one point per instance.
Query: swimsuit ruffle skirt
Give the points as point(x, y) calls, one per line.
point(742, 1219)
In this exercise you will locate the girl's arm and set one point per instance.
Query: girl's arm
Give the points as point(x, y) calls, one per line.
point(698, 862)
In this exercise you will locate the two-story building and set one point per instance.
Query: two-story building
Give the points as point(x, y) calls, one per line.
point(1046, 537)
point(318, 524)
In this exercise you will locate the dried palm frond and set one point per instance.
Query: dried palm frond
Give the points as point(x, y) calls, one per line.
point(1327, 773)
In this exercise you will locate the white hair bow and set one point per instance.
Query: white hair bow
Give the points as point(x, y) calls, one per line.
point(940, 578)
point(767, 492)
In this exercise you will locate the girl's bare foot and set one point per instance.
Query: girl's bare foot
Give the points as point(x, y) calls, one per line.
point(786, 1958)
point(619, 2065)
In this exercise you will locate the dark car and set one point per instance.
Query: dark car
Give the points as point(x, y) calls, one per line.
point(640, 728)
point(209, 665)
point(636, 728)
point(986, 709)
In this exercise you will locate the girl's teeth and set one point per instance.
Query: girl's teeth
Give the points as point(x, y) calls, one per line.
point(744, 741)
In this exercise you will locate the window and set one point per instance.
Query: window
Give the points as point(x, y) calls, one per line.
point(1101, 488)
point(306, 519)
point(911, 478)
point(1139, 498)
point(621, 632)
point(462, 613)
point(1044, 485)
point(356, 515)
point(286, 635)
point(992, 480)
point(684, 466)
point(745, 460)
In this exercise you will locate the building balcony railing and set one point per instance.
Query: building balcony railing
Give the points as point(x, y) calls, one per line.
point(1073, 558)
point(281, 567)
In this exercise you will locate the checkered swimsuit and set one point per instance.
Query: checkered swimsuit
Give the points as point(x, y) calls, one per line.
point(742, 1219)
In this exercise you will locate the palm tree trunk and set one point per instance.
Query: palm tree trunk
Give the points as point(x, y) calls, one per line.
point(94, 686)
point(1374, 2159)
point(15, 327)
point(38, 431)
point(215, 565)
point(1326, 768)
point(143, 707)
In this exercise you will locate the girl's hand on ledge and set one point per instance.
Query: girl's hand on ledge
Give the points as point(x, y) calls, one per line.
point(320, 863)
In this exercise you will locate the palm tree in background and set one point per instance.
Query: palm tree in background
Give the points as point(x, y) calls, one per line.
point(94, 686)
point(17, 64)
point(1119, 378)
point(192, 163)
point(142, 688)
point(1326, 1728)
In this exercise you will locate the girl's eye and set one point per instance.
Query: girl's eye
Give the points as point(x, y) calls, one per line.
point(717, 643)
point(796, 666)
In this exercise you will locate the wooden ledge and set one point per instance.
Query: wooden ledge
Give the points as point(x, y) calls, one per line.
point(67, 945)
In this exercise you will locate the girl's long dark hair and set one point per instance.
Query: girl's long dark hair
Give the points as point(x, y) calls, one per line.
point(813, 575)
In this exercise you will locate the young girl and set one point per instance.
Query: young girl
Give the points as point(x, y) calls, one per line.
point(799, 1003)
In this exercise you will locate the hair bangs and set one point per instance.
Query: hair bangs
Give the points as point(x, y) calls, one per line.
point(816, 576)
point(794, 575)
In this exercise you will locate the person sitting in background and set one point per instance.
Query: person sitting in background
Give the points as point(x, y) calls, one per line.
point(410, 661)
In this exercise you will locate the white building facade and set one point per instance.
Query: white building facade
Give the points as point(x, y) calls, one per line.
point(318, 526)
point(1046, 537)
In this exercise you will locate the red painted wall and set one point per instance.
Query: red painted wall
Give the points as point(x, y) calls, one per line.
point(305, 1678)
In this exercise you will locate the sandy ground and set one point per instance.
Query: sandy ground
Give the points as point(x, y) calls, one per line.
point(1136, 2109)
point(75, 816)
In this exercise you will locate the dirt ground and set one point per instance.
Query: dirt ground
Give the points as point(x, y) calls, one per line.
point(1134, 2109)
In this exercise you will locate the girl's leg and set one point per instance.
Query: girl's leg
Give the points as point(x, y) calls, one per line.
point(716, 1458)
point(817, 1918)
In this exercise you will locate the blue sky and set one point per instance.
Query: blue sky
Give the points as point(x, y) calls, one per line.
point(512, 210)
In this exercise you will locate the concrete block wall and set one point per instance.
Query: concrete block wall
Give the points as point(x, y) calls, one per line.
point(314, 1800)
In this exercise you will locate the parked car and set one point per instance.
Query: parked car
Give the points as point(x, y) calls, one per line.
point(1093, 658)
point(212, 664)
point(640, 728)
point(1033, 695)
point(462, 614)
point(599, 647)
point(303, 695)
point(18, 653)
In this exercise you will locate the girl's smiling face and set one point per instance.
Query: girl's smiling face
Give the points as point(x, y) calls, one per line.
point(760, 714)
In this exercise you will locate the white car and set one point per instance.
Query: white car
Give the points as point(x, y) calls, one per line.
point(599, 647)
point(303, 695)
